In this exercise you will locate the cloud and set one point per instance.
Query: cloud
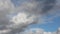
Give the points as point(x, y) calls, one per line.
point(18, 18)
point(47, 32)
point(54, 33)
point(39, 31)
point(37, 6)
point(34, 31)
point(4, 31)
point(6, 6)
point(23, 18)
point(59, 28)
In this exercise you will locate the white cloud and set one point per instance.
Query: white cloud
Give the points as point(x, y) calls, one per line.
point(5, 31)
point(54, 32)
point(47, 32)
point(23, 18)
point(34, 31)
point(39, 31)
point(59, 28)
point(6, 4)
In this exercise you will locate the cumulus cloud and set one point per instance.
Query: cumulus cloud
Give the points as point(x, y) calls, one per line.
point(23, 18)
point(20, 22)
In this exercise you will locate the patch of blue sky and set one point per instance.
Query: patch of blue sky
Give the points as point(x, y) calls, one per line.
point(50, 27)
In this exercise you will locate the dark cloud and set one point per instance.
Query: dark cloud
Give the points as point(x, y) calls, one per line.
point(46, 5)
point(37, 6)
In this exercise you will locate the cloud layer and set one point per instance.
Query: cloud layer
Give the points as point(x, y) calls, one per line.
point(39, 31)
point(15, 19)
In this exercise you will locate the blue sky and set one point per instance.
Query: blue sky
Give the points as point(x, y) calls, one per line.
point(47, 26)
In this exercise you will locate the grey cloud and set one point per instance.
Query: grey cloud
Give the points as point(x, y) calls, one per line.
point(39, 6)
point(48, 5)
point(33, 7)
point(5, 8)
point(28, 9)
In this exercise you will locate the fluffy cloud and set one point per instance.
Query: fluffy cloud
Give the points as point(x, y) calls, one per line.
point(23, 18)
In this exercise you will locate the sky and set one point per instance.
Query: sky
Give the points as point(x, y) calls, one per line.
point(20, 15)
point(50, 27)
